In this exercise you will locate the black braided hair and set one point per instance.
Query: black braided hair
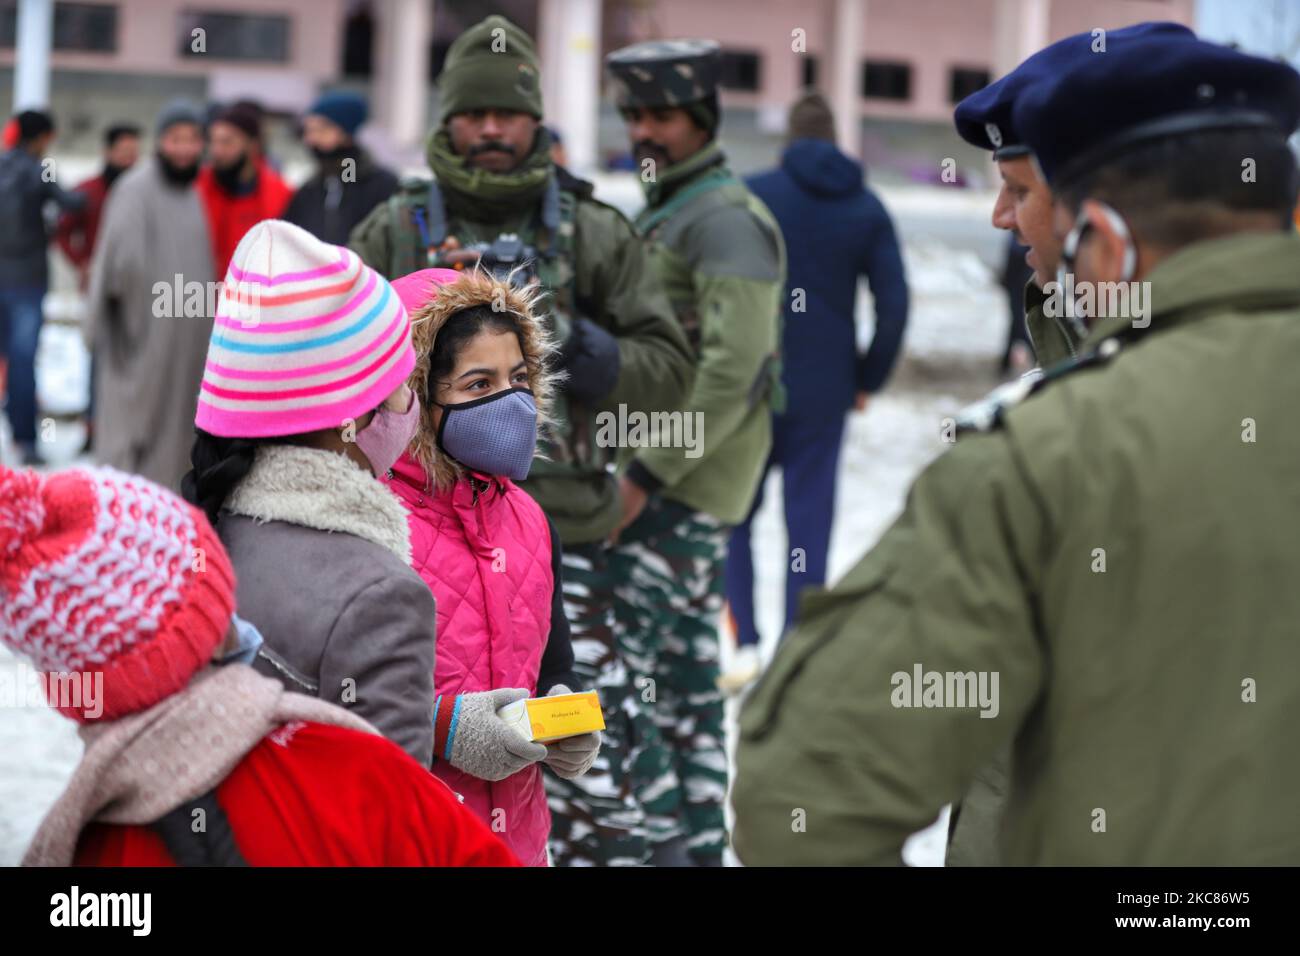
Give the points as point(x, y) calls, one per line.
point(219, 464)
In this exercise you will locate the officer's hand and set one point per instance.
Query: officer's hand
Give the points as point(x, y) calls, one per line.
point(860, 401)
point(634, 499)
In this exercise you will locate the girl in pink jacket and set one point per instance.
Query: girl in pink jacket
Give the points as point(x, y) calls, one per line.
point(484, 546)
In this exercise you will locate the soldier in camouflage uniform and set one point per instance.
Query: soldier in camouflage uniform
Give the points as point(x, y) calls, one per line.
point(720, 256)
point(495, 185)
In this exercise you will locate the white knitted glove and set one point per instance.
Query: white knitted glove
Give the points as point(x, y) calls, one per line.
point(485, 746)
point(572, 756)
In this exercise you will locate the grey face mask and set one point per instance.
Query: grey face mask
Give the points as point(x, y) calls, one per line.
point(496, 435)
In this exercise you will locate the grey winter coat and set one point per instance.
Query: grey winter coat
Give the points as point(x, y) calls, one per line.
point(321, 552)
point(149, 354)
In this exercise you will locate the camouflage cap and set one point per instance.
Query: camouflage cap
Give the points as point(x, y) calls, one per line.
point(664, 72)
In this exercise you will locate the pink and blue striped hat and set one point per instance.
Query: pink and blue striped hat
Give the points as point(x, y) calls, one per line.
point(306, 337)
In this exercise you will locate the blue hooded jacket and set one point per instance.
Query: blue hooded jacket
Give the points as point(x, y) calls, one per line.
point(835, 230)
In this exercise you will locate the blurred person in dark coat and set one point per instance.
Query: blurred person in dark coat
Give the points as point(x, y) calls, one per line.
point(835, 230)
point(27, 186)
point(347, 183)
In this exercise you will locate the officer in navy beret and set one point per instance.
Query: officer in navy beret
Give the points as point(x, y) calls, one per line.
point(1185, 125)
point(1024, 206)
point(1118, 548)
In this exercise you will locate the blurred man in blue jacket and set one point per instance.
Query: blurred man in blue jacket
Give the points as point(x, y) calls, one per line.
point(835, 230)
point(27, 186)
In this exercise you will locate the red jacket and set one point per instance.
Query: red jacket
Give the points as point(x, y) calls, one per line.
point(229, 217)
point(317, 795)
point(77, 230)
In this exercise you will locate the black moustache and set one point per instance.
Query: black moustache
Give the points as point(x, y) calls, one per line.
point(491, 148)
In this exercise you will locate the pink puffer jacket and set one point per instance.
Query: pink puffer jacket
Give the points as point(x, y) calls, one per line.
point(487, 559)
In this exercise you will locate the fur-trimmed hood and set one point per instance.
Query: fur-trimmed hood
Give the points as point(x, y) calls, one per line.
point(323, 490)
point(446, 294)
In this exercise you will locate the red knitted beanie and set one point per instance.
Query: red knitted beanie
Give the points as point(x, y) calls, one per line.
point(104, 573)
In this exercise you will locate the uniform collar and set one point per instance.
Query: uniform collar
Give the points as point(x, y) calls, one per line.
point(668, 181)
point(1244, 272)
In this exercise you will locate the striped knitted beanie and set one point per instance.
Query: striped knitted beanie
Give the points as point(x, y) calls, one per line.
point(114, 588)
point(306, 338)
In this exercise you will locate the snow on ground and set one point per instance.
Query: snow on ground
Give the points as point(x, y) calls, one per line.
point(38, 749)
point(955, 337)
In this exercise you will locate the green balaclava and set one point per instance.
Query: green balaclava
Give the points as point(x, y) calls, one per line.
point(492, 65)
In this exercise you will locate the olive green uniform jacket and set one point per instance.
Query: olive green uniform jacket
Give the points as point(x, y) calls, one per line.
point(973, 826)
point(720, 256)
point(1120, 549)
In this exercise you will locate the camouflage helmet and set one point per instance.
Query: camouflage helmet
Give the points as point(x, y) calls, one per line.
point(666, 73)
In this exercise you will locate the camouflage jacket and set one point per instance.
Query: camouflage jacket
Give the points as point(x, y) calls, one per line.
point(721, 258)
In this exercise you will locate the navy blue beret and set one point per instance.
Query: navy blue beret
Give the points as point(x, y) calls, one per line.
point(984, 118)
point(1134, 93)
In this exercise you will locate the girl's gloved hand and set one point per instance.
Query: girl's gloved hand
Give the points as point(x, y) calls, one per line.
point(572, 756)
point(479, 742)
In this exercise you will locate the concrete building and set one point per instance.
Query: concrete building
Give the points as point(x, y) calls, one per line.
point(894, 68)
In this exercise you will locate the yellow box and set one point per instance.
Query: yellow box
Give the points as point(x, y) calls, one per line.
point(543, 719)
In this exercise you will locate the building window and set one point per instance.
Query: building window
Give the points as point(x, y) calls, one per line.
point(882, 80)
point(358, 42)
point(438, 50)
point(963, 81)
point(809, 69)
point(8, 24)
point(739, 70)
point(83, 27)
point(234, 36)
